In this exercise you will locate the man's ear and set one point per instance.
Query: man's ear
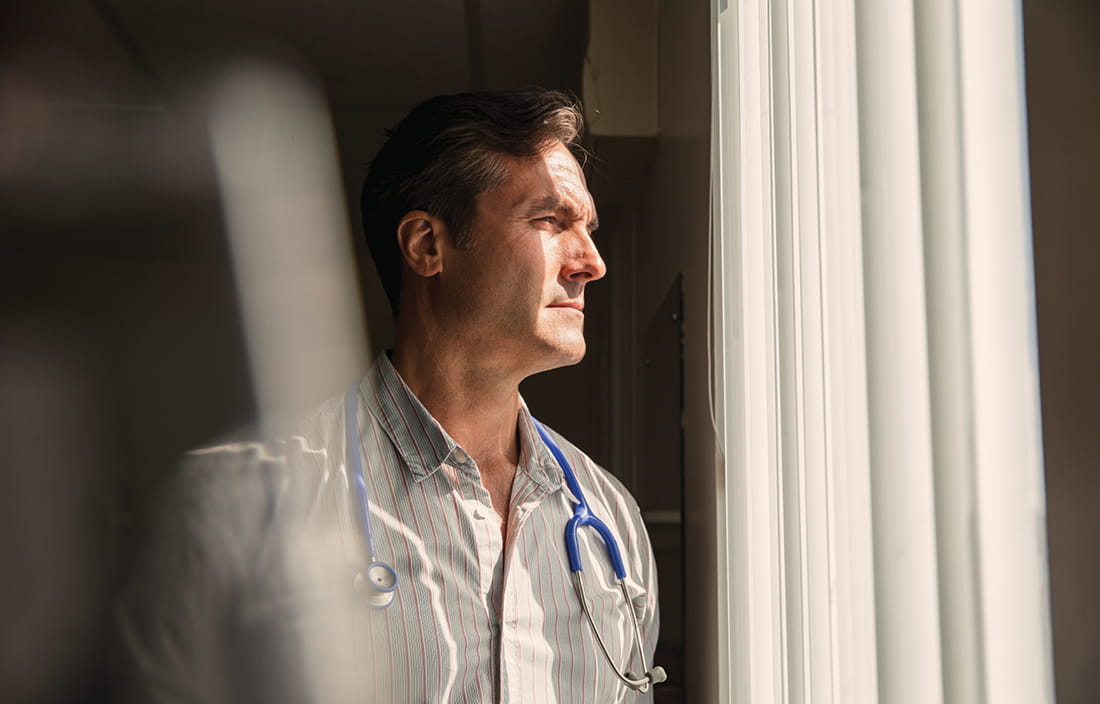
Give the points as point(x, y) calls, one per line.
point(418, 238)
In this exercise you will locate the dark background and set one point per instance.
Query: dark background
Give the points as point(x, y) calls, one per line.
point(120, 332)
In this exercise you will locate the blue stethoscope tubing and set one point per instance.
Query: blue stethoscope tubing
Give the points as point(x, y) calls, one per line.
point(378, 584)
point(582, 515)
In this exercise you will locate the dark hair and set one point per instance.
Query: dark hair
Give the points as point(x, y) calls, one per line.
point(446, 152)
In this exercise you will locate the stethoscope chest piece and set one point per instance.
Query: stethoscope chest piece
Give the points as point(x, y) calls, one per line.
point(376, 585)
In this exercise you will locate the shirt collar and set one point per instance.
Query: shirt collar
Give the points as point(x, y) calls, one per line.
point(534, 457)
point(423, 443)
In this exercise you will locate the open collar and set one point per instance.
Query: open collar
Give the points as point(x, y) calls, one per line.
point(425, 445)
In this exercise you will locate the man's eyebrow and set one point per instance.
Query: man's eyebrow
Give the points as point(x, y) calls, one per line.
point(543, 204)
point(556, 204)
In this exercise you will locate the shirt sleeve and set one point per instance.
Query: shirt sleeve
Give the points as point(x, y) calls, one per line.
point(177, 615)
point(170, 614)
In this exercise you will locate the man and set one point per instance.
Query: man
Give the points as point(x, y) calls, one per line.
point(405, 542)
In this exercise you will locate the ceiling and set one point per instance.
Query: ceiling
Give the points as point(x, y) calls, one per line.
point(97, 96)
point(368, 53)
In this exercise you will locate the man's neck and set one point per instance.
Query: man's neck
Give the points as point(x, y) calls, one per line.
point(475, 405)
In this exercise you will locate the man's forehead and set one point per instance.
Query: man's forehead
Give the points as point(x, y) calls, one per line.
point(562, 185)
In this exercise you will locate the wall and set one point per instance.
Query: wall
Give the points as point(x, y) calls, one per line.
point(649, 340)
point(674, 234)
point(1062, 47)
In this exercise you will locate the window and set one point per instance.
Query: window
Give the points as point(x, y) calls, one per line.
point(879, 493)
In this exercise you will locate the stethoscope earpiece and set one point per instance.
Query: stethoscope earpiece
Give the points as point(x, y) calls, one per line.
point(642, 684)
point(657, 675)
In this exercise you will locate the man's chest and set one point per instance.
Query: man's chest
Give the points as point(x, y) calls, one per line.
point(476, 616)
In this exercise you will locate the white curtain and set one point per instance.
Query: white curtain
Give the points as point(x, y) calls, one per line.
point(875, 373)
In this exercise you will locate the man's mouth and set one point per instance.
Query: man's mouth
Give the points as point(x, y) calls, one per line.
point(572, 305)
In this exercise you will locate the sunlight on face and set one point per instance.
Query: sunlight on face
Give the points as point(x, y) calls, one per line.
point(519, 291)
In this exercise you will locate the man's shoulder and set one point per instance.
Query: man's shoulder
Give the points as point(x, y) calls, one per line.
point(238, 480)
point(230, 492)
point(303, 436)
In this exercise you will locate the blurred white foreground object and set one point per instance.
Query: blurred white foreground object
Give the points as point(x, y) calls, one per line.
point(287, 227)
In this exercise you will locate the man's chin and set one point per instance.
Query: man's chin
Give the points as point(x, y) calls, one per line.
point(574, 358)
point(565, 354)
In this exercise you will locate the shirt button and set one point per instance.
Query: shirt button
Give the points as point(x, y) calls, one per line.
point(460, 456)
point(479, 513)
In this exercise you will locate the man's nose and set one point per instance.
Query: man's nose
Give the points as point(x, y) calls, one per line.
point(584, 263)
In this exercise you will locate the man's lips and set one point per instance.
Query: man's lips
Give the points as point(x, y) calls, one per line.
point(572, 305)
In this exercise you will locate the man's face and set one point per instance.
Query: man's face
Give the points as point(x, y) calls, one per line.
point(519, 290)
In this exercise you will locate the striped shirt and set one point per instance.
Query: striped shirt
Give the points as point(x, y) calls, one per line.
point(249, 592)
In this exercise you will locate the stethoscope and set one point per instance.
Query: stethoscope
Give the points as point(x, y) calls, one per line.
point(376, 584)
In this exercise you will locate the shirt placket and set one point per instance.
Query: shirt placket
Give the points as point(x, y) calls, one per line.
point(477, 504)
point(526, 496)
